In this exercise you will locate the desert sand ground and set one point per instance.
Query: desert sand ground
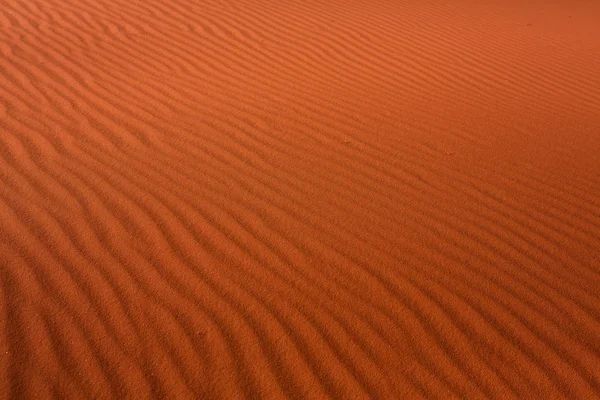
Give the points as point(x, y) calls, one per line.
point(299, 199)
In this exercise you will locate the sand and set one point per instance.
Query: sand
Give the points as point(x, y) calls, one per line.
point(299, 199)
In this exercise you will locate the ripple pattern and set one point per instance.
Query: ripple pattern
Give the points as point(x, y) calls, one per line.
point(278, 199)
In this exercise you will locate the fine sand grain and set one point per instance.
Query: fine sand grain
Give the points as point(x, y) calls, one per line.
point(299, 199)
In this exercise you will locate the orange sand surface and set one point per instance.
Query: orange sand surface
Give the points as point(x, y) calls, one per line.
point(299, 199)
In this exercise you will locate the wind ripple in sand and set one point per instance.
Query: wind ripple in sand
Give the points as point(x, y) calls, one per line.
point(271, 199)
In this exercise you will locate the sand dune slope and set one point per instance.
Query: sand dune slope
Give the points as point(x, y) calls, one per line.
point(299, 199)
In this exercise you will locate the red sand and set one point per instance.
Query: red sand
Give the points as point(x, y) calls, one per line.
point(301, 199)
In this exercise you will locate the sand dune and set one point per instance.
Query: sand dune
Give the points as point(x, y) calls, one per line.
point(299, 199)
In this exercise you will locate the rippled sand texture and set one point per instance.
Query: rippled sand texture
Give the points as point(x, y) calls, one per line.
point(299, 199)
